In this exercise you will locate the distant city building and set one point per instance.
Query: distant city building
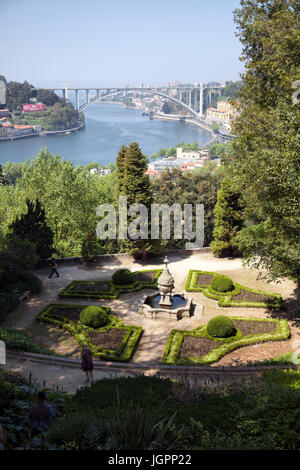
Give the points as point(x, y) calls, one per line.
point(4, 113)
point(188, 160)
point(224, 113)
point(8, 129)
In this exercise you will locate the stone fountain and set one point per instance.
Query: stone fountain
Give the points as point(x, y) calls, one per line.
point(165, 305)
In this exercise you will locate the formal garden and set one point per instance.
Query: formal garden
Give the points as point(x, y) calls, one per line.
point(103, 312)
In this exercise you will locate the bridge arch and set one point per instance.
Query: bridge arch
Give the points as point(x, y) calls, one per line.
point(145, 90)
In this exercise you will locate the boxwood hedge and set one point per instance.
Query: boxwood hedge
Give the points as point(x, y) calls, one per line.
point(80, 332)
point(229, 344)
point(114, 289)
point(226, 299)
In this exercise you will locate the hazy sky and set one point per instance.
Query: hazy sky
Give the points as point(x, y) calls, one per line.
point(113, 42)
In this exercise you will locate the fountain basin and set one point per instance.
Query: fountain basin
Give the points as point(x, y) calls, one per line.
point(181, 307)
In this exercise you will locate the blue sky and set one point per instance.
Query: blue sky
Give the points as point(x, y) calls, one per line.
point(113, 42)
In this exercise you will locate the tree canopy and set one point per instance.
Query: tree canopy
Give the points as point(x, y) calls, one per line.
point(265, 160)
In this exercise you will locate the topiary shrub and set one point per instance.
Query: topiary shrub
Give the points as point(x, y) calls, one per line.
point(95, 317)
point(222, 283)
point(123, 277)
point(220, 327)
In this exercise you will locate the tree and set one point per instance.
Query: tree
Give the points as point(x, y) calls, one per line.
point(18, 94)
point(69, 197)
point(120, 169)
point(33, 227)
point(3, 177)
point(62, 116)
point(266, 154)
point(229, 218)
point(135, 184)
point(215, 127)
point(48, 97)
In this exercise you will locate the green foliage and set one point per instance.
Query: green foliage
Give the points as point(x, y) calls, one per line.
point(20, 341)
point(133, 183)
point(220, 327)
point(228, 213)
point(261, 415)
point(134, 427)
point(265, 158)
point(78, 431)
point(13, 171)
point(33, 227)
point(48, 97)
point(215, 127)
point(123, 277)
point(222, 283)
point(233, 89)
point(95, 317)
point(90, 247)
point(62, 116)
point(18, 94)
point(199, 187)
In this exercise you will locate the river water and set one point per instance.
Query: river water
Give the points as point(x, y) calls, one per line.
point(108, 126)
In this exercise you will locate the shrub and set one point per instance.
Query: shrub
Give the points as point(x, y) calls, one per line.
point(95, 317)
point(123, 277)
point(20, 341)
point(82, 430)
point(220, 327)
point(222, 283)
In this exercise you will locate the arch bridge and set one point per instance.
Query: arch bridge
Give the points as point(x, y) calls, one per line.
point(193, 98)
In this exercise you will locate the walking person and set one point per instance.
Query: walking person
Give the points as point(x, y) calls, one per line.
point(2, 439)
point(40, 415)
point(87, 363)
point(53, 266)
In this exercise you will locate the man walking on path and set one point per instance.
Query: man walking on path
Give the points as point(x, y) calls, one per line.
point(53, 266)
point(40, 415)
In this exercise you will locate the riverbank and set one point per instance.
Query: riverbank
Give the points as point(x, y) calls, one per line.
point(43, 133)
point(188, 120)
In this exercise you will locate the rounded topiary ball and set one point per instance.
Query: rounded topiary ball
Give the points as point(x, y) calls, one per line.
point(222, 283)
point(95, 317)
point(220, 327)
point(123, 277)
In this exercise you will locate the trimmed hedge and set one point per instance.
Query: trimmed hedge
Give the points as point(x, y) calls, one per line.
point(229, 344)
point(220, 327)
point(114, 290)
point(123, 277)
point(227, 299)
point(80, 332)
point(93, 316)
point(221, 283)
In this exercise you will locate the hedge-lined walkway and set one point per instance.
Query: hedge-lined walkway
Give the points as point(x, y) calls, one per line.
point(156, 332)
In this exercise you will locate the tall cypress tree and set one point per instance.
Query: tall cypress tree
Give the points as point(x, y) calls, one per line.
point(229, 216)
point(33, 227)
point(120, 163)
point(136, 185)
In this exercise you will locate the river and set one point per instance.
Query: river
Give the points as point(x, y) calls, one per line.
point(108, 126)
